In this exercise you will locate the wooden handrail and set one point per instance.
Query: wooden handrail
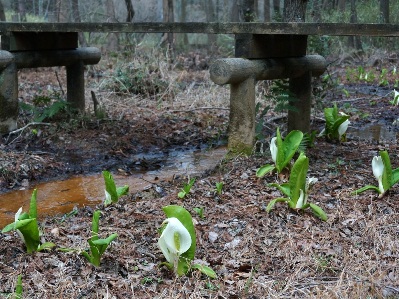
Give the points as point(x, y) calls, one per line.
point(337, 29)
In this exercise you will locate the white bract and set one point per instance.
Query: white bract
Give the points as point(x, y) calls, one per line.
point(174, 241)
point(343, 127)
point(395, 97)
point(107, 197)
point(303, 196)
point(378, 169)
point(273, 149)
point(15, 223)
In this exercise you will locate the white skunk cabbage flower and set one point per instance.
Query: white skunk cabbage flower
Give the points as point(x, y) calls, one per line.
point(174, 241)
point(303, 196)
point(378, 169)
point(343, 127)
point(395, 97)
point(273, 149)
point(107, 196)
point(16, 218)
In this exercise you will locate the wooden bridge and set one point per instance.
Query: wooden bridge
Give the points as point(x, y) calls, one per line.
point(264, 51)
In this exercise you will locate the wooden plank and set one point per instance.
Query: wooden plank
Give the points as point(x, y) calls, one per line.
point(29, 41)
point(344, 29)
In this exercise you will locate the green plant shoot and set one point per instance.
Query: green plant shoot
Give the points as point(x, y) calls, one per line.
point(178, 242)
point(97, 245)
point(219, 188)
point(282, 152)
point(18, 288)
point(186, 188)
point(26, 226)
point(297, 189)
point(112, 193)
point(200, 212)
point(382, 171)
point(336, 124)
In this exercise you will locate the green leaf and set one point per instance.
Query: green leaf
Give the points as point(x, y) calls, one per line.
point(33, 205)
point(291, 144)
point(284, 188)
point(318, 211)
point(30, 230)
point(102, 244)
point(185, 218)
point(395, 176)
point(263, 170)
point(8, 228)
point(18, 288)
point(274, 201)
point(205, 270)
point(298, 174)
point(95, 225)
point(365, 188)
point(387, 174)
point(181, 194)
point(280, 153)
point(110, 186)
point(46, 245)
point(120, 191)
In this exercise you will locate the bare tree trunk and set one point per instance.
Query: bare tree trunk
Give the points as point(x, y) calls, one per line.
point(384, 11)
point(341, 5)
point(168, 17)
point(248, 10)
point(210, 17)
point(276, 9)
point(317, 8)
point(354, 41)
point(183, 12)
point(22, 10)
point(235, 13)
point(130, 11)
point(113, 38)
point(77, 19)
point(62, 10)
point(2, 14)
point(266, 13)
point(294, 10)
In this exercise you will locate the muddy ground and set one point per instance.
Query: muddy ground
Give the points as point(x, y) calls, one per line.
point(281, 254)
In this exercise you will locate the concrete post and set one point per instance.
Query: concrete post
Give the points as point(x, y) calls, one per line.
point(301, 88)
point(242, 116)
point(76, 85)
point(242, 74)
point(8, 93)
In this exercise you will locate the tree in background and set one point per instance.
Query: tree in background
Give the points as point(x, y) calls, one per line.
point(384, 10)
point(130, 11)
point(2, 14)
point(354, 42)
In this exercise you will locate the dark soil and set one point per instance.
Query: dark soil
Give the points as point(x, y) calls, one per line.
point(281, 254)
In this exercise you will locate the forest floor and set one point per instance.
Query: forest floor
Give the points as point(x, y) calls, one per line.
point(256, 254)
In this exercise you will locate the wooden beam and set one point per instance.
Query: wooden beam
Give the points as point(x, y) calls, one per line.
point(338, 29)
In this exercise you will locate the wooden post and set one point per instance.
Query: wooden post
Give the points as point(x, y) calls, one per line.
point(76, 85)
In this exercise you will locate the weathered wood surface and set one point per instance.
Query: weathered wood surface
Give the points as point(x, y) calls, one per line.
point(344, 29)
point(235, 70)
point(33, 59)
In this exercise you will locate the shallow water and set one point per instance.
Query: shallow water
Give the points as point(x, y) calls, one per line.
point(60, 197)
point(374, 132)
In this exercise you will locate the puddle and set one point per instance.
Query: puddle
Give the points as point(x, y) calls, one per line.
point(374, 132)
point(61, 197)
